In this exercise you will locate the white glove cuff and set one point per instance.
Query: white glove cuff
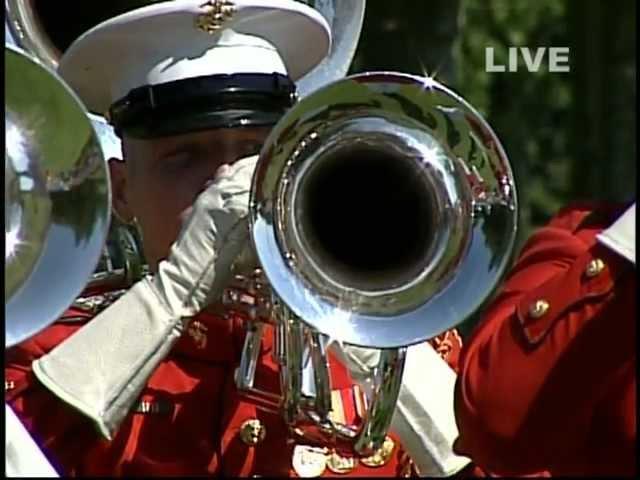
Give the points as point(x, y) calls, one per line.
point(102, 368)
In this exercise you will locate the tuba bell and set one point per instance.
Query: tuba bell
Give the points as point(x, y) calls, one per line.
point(34, 27)
point(383, 213)
point(57, 198)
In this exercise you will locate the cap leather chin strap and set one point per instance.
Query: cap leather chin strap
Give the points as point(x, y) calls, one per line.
point(201, 103)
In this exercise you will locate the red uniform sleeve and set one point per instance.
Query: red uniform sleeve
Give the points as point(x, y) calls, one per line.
point(525, 384)
point(63, 434)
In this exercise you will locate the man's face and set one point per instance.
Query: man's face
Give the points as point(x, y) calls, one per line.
point(160, 179)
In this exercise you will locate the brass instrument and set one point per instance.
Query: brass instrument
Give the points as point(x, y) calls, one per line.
point(383, 213)
point(57, 196)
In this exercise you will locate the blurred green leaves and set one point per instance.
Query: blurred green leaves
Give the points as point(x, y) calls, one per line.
point(542, 117)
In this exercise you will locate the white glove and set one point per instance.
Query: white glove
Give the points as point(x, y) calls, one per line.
point(423, 419)
point(102, 369)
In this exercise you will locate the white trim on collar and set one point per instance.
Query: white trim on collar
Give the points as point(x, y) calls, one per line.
point(621, 236)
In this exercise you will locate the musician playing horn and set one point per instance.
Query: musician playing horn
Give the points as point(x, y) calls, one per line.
point(192, 88)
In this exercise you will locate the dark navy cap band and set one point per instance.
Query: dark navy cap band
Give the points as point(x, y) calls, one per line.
point(199, 103)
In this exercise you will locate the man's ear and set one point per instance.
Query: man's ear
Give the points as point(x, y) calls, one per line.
point(119, 193)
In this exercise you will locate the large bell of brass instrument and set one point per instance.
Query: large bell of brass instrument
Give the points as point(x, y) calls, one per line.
point(56, 196)
point(383, 210)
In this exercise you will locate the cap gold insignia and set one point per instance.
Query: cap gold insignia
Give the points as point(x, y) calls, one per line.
point(252, 432)
point(216, 14)
point(382, 456)
point(198, 332)
point(309, 462)
point(339, 464)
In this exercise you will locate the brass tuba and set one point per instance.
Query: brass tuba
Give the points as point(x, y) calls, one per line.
point(383, 213)
point(57, 198)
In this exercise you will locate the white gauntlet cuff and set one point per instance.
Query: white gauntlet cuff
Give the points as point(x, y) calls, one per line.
point(103, 367)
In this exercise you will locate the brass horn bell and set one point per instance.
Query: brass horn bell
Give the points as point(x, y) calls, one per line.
point(384, 210)
point(56, 196)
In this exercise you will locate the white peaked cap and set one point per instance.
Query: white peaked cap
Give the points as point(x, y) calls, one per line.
point(162, 42)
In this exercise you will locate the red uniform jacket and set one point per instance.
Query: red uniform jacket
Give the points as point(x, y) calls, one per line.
point(189, 417)
point(552, 387)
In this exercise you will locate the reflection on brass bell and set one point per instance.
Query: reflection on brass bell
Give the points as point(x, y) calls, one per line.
point(382, 456)
point(252, 432)
point(594, 267)
point(539, 308)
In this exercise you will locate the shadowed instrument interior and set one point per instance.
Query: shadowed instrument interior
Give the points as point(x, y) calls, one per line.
point(354, 217)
